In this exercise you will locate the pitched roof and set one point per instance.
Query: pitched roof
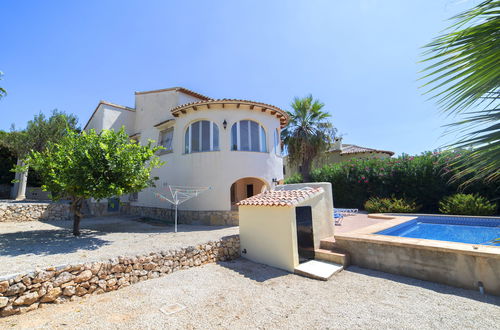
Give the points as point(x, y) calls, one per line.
point(177, 89)
point(282, 197)
point(354, 149)
point(122, 107)
point(264, 107)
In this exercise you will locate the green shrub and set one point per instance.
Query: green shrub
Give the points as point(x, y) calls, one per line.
point(467, 204)
point(296, 178)
point(390, 205)
point(424, 179)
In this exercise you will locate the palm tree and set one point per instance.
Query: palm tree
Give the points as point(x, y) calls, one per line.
point(464, 77)
point(308, 134)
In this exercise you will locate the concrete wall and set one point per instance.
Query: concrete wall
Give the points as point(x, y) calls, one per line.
point(426, 263)
point(269, 235)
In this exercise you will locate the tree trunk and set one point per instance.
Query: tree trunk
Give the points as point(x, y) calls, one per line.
point(23, 181)
point(76, 206)
point(305, 170)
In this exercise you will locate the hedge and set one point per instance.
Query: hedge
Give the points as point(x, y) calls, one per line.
point(424, 178)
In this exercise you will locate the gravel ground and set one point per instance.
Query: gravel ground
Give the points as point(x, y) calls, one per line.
point(25, 246)
point(241, 294)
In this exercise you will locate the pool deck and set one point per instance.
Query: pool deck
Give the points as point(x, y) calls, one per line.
point(452, 263)
point(354, 222)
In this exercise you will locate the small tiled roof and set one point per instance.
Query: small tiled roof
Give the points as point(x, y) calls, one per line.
point(273, 110)
point(354, 149)
point(281, 197)
point(177, 89)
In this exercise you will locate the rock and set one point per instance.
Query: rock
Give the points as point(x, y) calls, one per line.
point(102, 284)
point(9, 310)
point(70, 283)
point(3, 301)
point(30, 308)
point(117, 269)
point(15, 289)
point(26, 299)
point(111, 282)
point(96, 267)
point(51, 295)
point(149, 266)
point(3, 286)
point(69, 291)
point(26, 280)
point(99, 291)
point(83, 276)
point(63, 278)
point(80, 291)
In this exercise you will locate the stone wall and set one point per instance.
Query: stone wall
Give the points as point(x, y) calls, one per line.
point(25, 292)
point(210, 218)
point(25, 211)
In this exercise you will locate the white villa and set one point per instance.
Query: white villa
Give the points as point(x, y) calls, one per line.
point(231, 146)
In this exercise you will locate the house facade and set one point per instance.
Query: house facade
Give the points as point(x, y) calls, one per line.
point(231, 146)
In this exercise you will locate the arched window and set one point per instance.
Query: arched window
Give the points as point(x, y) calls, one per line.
point(277, 142)
point(201, 136)
point(248, 135)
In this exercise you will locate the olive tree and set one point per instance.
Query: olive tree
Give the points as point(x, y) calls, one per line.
point(94, 165)
point(38, 133)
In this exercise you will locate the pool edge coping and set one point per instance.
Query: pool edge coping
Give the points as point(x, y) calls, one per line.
point(367, 234)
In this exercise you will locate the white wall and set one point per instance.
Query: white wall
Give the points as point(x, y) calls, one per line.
point(269, 235)
point(109, 117)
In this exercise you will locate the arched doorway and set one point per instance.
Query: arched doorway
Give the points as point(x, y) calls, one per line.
point(246, 187)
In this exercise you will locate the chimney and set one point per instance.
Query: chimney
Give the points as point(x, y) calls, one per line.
point(337, 144)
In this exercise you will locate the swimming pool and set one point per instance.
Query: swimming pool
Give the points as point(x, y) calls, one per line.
point(452, 229)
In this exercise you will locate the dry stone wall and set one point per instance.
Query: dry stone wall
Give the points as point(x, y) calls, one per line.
point(22, 293)
point(25, 211)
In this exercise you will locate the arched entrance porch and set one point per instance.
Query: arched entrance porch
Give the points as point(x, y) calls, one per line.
point(246, 187)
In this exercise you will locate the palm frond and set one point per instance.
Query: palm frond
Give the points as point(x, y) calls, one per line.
point(463, 76)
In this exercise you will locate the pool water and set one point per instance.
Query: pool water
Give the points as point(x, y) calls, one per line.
point(451, 229)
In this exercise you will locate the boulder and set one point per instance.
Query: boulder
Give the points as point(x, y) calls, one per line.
point(51, 295)
point(26, 299)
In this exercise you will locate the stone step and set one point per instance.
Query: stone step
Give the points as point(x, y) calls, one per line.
point(318, 270)
point(327, 243)
point(332, 256)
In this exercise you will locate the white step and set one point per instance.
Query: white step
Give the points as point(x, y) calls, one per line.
point(319, 270)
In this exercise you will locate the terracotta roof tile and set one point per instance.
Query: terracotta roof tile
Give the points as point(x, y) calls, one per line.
point(281, 197)
point(284, 117)
point(177, 89)
point(354, 149)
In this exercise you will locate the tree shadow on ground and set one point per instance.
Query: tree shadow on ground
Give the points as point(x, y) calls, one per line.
point(436, 287)
point(252, 270)
point(55, 237)
point(43, 242)
point(130, 224)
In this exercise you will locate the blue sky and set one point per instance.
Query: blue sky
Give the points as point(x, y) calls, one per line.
point(358, 57)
